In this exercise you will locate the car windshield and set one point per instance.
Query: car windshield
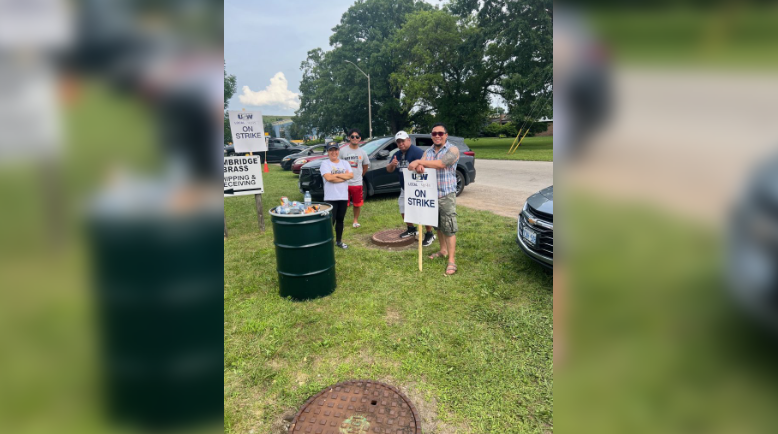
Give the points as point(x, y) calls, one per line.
point(283, 141)
point(372, 145)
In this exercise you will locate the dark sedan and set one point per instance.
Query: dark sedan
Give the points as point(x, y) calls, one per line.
point(377, 179)
point(535, 231)
point(277, 149)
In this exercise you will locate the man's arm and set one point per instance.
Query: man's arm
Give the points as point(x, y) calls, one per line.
point(393, 165)
point(448, 160)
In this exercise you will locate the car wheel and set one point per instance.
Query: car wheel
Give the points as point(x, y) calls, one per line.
point(365, 189)
point(460, 183)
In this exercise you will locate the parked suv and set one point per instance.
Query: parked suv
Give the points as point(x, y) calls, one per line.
point(535, 231)
point(377, 179)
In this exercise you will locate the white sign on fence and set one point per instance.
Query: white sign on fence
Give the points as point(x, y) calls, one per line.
point(242, 175)
point(421, 197)
point(248, 132)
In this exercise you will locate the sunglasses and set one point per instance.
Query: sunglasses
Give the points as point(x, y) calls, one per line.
point(437, 134)
point(355, 137)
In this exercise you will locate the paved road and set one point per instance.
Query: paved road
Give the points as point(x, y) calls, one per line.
point(502, 186)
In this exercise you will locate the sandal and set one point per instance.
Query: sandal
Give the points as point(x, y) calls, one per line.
point(437, 255)
point(356, 225)
point(451, 267)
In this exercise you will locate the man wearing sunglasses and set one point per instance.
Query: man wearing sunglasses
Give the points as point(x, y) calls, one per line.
point(359, 162)
point(443, 157)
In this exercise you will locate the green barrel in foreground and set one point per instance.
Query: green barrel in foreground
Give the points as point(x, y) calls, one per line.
point(305, 253)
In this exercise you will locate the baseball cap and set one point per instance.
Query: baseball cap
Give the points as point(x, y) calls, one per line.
point(332, 145)
point(401, 135)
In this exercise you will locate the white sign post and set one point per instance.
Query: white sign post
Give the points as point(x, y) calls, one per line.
point(421, 200)
point(248, 131)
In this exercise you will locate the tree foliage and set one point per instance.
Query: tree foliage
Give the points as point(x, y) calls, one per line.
point(443, 72)
point(430, 65)
point(519, 50)
point(230, 86)
point(227, 129)
point(334, 92)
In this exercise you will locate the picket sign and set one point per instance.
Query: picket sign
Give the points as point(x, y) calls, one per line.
point(421, 200)
point(243, 174)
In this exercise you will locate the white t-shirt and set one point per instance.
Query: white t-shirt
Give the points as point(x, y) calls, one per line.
point(335, 190)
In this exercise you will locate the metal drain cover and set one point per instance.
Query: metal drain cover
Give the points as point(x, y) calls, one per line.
point(357, 407)
point(391, 238)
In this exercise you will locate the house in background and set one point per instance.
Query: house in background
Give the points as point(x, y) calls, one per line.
point(282, 128)
point(550, 130)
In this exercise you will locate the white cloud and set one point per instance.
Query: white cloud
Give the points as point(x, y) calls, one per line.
point(276, 94)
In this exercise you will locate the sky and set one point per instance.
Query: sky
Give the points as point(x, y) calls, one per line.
point(266, 41)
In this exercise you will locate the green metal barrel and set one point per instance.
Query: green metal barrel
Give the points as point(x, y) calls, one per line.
point(305, 253)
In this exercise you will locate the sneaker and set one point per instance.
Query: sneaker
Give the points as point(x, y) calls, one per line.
point(429, 237)
point(342, 245)
point(408, 233)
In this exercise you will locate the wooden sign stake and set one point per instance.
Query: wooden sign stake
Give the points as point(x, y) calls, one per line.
point(420, 237)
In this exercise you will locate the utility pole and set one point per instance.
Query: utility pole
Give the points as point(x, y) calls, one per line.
point(369, 106)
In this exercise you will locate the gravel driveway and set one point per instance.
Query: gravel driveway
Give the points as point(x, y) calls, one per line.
point(502, 186)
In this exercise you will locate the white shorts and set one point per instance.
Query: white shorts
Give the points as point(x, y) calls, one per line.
point(401, 201)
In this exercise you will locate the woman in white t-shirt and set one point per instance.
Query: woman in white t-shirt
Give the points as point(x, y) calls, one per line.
point(336, 173)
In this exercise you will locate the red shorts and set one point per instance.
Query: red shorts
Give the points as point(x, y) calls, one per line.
point(355, 195)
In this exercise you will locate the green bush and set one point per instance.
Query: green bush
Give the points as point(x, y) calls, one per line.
point(493, 129)
point(509, 130)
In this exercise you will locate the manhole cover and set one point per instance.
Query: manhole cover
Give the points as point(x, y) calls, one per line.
point(391, 238)
point(357, 407)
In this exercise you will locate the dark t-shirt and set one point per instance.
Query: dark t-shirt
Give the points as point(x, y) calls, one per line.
point(403, 160)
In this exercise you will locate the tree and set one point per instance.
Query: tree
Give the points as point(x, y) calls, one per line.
point(227, 129)
point(230, 86)
point(444, 72)
point(519, 50)
point(334, 92)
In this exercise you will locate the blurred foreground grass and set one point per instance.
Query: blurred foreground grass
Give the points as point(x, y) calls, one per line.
point(654, 343)
point(736, 35)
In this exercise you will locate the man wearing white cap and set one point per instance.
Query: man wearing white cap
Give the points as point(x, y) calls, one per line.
point(408, 153)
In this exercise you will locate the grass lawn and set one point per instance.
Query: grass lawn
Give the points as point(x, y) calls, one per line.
point(473, 351)
point(738, 37)
point(531, 149)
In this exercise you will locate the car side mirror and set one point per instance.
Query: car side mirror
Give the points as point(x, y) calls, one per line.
point(286, 146)
point(383, 155)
